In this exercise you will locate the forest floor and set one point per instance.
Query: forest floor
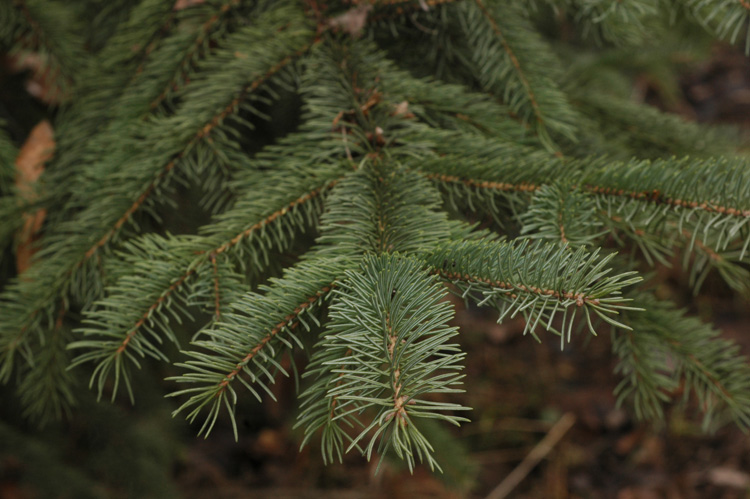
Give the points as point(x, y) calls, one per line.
point(520, 390)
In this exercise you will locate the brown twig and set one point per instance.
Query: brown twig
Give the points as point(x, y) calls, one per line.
point(580, 298)
point(150, 309)
point(484, 184)
point(217, 300)
point(655, 196)
point(539, 452)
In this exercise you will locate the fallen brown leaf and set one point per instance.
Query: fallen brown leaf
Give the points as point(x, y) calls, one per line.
point(184, 4)
point(402, 109)
point(44, 82)
point(729, 477)
point(35, 152)
point(353, 20)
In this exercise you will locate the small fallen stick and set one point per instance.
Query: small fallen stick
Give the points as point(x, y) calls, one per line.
point(532, 459)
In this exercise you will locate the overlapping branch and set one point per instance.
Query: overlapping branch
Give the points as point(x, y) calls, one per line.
point(669, 355)
point(386, 352)
point(74, 242)
point(171, 274)
point(514, 64)
point(251, 335)
point(728, 19)
point(502, 275)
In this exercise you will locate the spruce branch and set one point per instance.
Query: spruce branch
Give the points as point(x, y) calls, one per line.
point(728, 19)
point(611, 21)
point(513, 59)
point(403, 205)
point(147, 26)
point(385, 357)
point(203, 133)
point(647, 132)
point(47, 389)
point(653, 247)
point(508, 277)
point(217, 286)
point(693, 193)
point(210, 29)
point(702, 256)
point(491, 175)
point(447, 106)
point(9, 209)
point(656, 220)
point(229, 351)
point(271, 229)
point(668, 354)
point(169, 58)
point(514, 64)
point(70, 267)
point(8, 152)
point(562, 213)
point(255, 227)
point(206, 103)
point(382, 169)
point(659, 241)
point(102, 83)
point(122, 339)
point(167, 276)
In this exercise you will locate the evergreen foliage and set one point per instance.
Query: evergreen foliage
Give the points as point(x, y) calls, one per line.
point(347, 166)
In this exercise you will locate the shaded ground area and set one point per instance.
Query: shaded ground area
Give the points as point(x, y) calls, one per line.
point(519, 389)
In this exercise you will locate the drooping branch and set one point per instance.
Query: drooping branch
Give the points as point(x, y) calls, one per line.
point(204, 132)
point(248, 338)
point(290, 323)
point(514, 61)
point(500, 274)
point(176, 270)
point(188, 57)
